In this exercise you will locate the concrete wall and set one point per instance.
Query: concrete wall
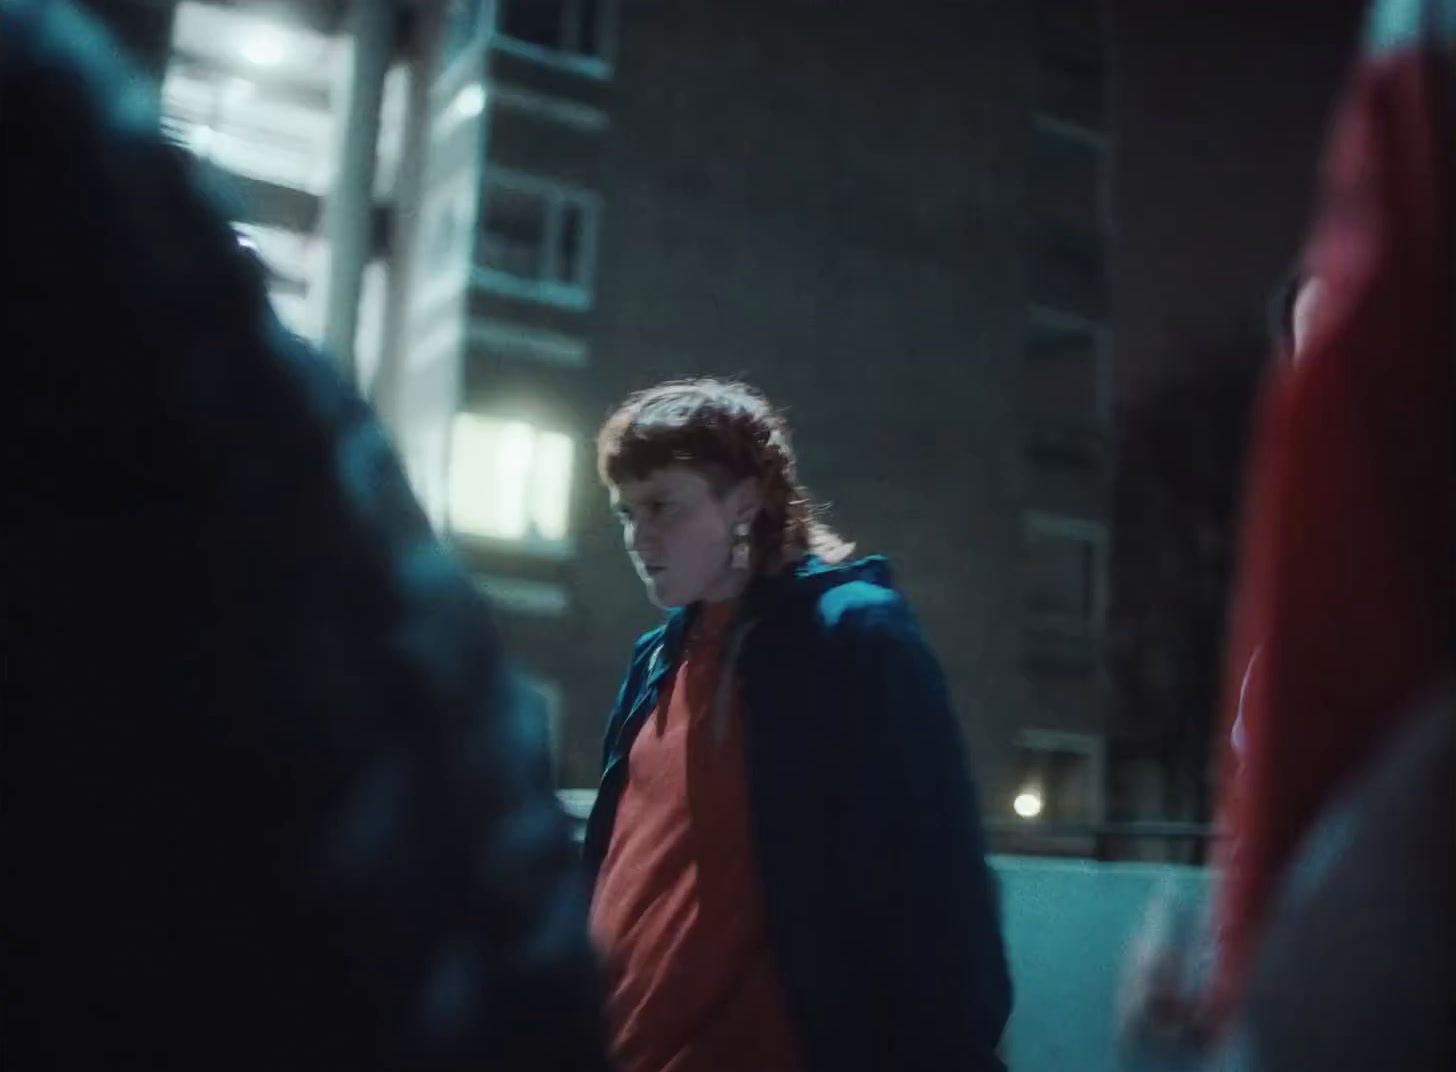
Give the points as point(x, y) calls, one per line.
point(1067, 926)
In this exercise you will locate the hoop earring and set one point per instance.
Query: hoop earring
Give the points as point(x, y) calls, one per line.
point(742, 549)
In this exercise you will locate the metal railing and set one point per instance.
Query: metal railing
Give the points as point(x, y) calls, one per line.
point(1032, 837)
point(1098, 841)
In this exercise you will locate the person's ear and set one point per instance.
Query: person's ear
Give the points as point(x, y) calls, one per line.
point(745, 499)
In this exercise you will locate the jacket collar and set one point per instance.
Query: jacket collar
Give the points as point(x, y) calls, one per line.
point(809, 576)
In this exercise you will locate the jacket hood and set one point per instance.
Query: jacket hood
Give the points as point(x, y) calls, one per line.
point(813, 575)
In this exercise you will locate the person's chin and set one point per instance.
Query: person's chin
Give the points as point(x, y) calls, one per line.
point(662, 593)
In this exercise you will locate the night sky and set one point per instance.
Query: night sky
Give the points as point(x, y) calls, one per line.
point(1219, 109)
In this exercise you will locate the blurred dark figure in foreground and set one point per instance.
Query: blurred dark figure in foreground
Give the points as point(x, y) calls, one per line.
point(1337, 796)
point(268, 802)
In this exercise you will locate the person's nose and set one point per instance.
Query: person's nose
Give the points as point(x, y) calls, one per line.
point(640, 539)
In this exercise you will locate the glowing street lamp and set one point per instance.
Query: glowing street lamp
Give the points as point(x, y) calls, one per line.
point(1028, 804)
point(469, 102)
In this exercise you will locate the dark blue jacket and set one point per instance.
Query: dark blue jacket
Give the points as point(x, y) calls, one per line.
point(269, 799)
point(881, 910)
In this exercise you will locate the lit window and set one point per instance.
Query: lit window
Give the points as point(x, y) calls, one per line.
point(509, 480)
point(255, 99)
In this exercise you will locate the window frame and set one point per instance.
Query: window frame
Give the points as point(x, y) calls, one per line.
point(577, 295)
point(1040, 526)
point(1049, 317)
point(600, 67)
point(1092, 746)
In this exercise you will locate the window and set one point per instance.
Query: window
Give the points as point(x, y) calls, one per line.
point(1063, 575)
point(576, 30)
point(1059, 579)
point(509, 481)
point(1069, 269)
point(1072, 89)
point(537, 239)
point(241, 128)
point(1053, 654)
point(1059, 777)
point(1071, 70)
point(568, 241)
point(1066, 174)
point(254, 98)
point(513, 236)
point(1052, 453)
point(1062, 371)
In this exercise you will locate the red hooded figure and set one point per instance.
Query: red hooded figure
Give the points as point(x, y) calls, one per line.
point(1345, 614)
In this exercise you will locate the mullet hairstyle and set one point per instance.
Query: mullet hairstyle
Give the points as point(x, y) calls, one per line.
point(727, 432)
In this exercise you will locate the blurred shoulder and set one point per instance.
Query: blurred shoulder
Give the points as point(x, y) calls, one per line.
point(859, 598)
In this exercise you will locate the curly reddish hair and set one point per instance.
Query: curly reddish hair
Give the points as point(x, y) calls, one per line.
point(727, 432)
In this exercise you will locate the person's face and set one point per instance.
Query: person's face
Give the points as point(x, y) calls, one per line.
point(1302, 316)
point(679, 534)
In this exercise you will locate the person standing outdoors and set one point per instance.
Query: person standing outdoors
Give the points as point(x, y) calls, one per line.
point(786, 848)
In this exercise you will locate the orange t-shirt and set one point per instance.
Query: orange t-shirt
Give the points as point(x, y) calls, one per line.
point(677, 913)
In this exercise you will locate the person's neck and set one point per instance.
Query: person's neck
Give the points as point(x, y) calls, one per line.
point(727, 588)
